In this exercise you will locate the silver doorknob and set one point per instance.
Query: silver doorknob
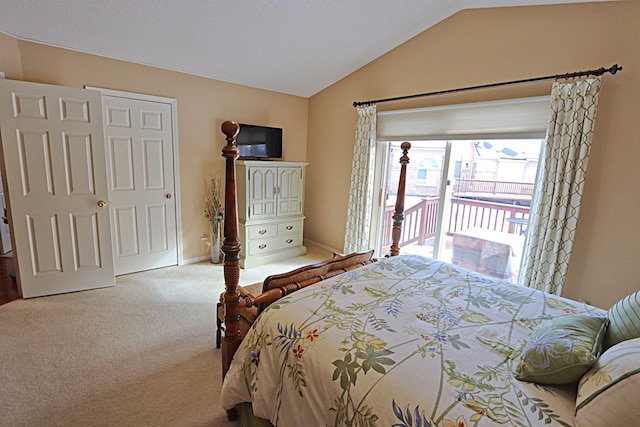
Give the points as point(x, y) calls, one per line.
point(102, 204)
point(169, 196)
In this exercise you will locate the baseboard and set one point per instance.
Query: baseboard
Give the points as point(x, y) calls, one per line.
point(194, 260)
point(256, 261)
point(308, 242)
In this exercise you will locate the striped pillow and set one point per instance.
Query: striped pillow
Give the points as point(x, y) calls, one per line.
point(624, 320)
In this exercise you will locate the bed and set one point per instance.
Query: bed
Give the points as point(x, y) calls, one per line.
point(407, 341)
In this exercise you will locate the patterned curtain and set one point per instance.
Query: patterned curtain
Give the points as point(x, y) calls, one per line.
point(356, 237)
point(556, 202)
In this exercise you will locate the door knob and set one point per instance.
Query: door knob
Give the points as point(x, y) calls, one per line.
point(169, 196)
point(102, 204)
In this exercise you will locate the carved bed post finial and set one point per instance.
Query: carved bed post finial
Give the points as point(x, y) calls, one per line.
point(398, 216)
point(231, 249)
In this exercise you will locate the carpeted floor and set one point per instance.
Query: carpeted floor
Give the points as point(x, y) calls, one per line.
point(141, 353)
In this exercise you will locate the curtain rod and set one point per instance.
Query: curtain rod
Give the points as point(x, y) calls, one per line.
point(600, 71)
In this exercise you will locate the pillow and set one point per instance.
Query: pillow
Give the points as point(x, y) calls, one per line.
point(562, 349)
point(624, 320)
point(608, 393)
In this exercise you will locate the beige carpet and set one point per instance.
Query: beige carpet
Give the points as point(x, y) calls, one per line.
point(141, 353)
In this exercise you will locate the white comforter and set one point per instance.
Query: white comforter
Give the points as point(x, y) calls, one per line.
point(406, 341)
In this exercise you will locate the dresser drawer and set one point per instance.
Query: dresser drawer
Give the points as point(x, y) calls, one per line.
point(262, 246)
point(262, 231)
point(291, 227)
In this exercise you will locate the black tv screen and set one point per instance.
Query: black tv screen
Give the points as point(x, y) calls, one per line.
point(259, 142)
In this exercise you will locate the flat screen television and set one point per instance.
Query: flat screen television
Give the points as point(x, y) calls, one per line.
point(259, 142)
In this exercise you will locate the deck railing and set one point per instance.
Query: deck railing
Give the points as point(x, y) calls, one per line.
point(419, 223)
point(466, 186)
point(420, 219)
point(488, 215)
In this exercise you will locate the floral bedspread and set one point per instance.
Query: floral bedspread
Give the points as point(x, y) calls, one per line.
point(406, 341)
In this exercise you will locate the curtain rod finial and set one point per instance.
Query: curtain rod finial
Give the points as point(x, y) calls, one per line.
point(361, 103)
point(614, 68)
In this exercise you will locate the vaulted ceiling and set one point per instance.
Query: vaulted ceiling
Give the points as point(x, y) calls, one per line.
point(297, 47)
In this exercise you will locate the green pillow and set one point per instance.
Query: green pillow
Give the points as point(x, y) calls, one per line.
point(624, 320)
point(562, 349)
point(608, 393)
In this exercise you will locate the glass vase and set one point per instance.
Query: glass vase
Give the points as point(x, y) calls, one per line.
point(215, 239)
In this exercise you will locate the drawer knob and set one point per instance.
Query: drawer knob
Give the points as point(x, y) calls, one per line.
point(263, 231)
point(289, 227)
point(289, 241)
point(262, 246)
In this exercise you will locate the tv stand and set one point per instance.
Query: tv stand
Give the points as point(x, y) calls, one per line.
point(270, 211)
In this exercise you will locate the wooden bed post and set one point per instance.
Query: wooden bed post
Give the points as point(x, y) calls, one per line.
point(398, 215)
point(231, 248)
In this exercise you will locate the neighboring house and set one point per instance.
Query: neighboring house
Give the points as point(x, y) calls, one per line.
point(473, 160)
point(470, 48)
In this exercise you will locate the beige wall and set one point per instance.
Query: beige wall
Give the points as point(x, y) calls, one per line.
point(203, 104)
point(483, 46)
point(10, 61)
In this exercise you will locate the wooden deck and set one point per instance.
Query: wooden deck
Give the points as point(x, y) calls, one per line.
point(420, 219)
point(470, 209)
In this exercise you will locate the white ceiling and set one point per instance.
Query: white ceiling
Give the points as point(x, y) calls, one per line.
point(297, 47)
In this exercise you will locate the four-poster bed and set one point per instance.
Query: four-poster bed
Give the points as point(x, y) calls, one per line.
point(278, 286)
point(404, 341)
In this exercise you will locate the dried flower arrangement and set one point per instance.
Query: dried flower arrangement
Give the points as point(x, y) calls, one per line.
point(214, 212)
point(213, 208)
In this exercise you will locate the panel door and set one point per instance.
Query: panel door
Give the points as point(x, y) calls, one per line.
point(263, 191)
point(54, 160)
point(290, 191)
point(139, 138)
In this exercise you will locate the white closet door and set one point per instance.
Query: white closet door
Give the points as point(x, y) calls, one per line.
point(139, 137)
point(54, 159)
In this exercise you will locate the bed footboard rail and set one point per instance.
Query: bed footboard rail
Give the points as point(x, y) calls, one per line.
point(279, 285)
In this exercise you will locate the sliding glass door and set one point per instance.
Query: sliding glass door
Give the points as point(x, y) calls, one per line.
point(467, 202)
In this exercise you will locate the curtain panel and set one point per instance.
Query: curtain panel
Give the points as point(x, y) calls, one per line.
point(358, 228)
point(559, 186)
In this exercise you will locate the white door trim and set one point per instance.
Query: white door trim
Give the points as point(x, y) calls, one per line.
point(176, 162)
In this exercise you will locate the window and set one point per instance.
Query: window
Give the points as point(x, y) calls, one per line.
point(428, 172)
point(482, 181)
point(422, 176)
